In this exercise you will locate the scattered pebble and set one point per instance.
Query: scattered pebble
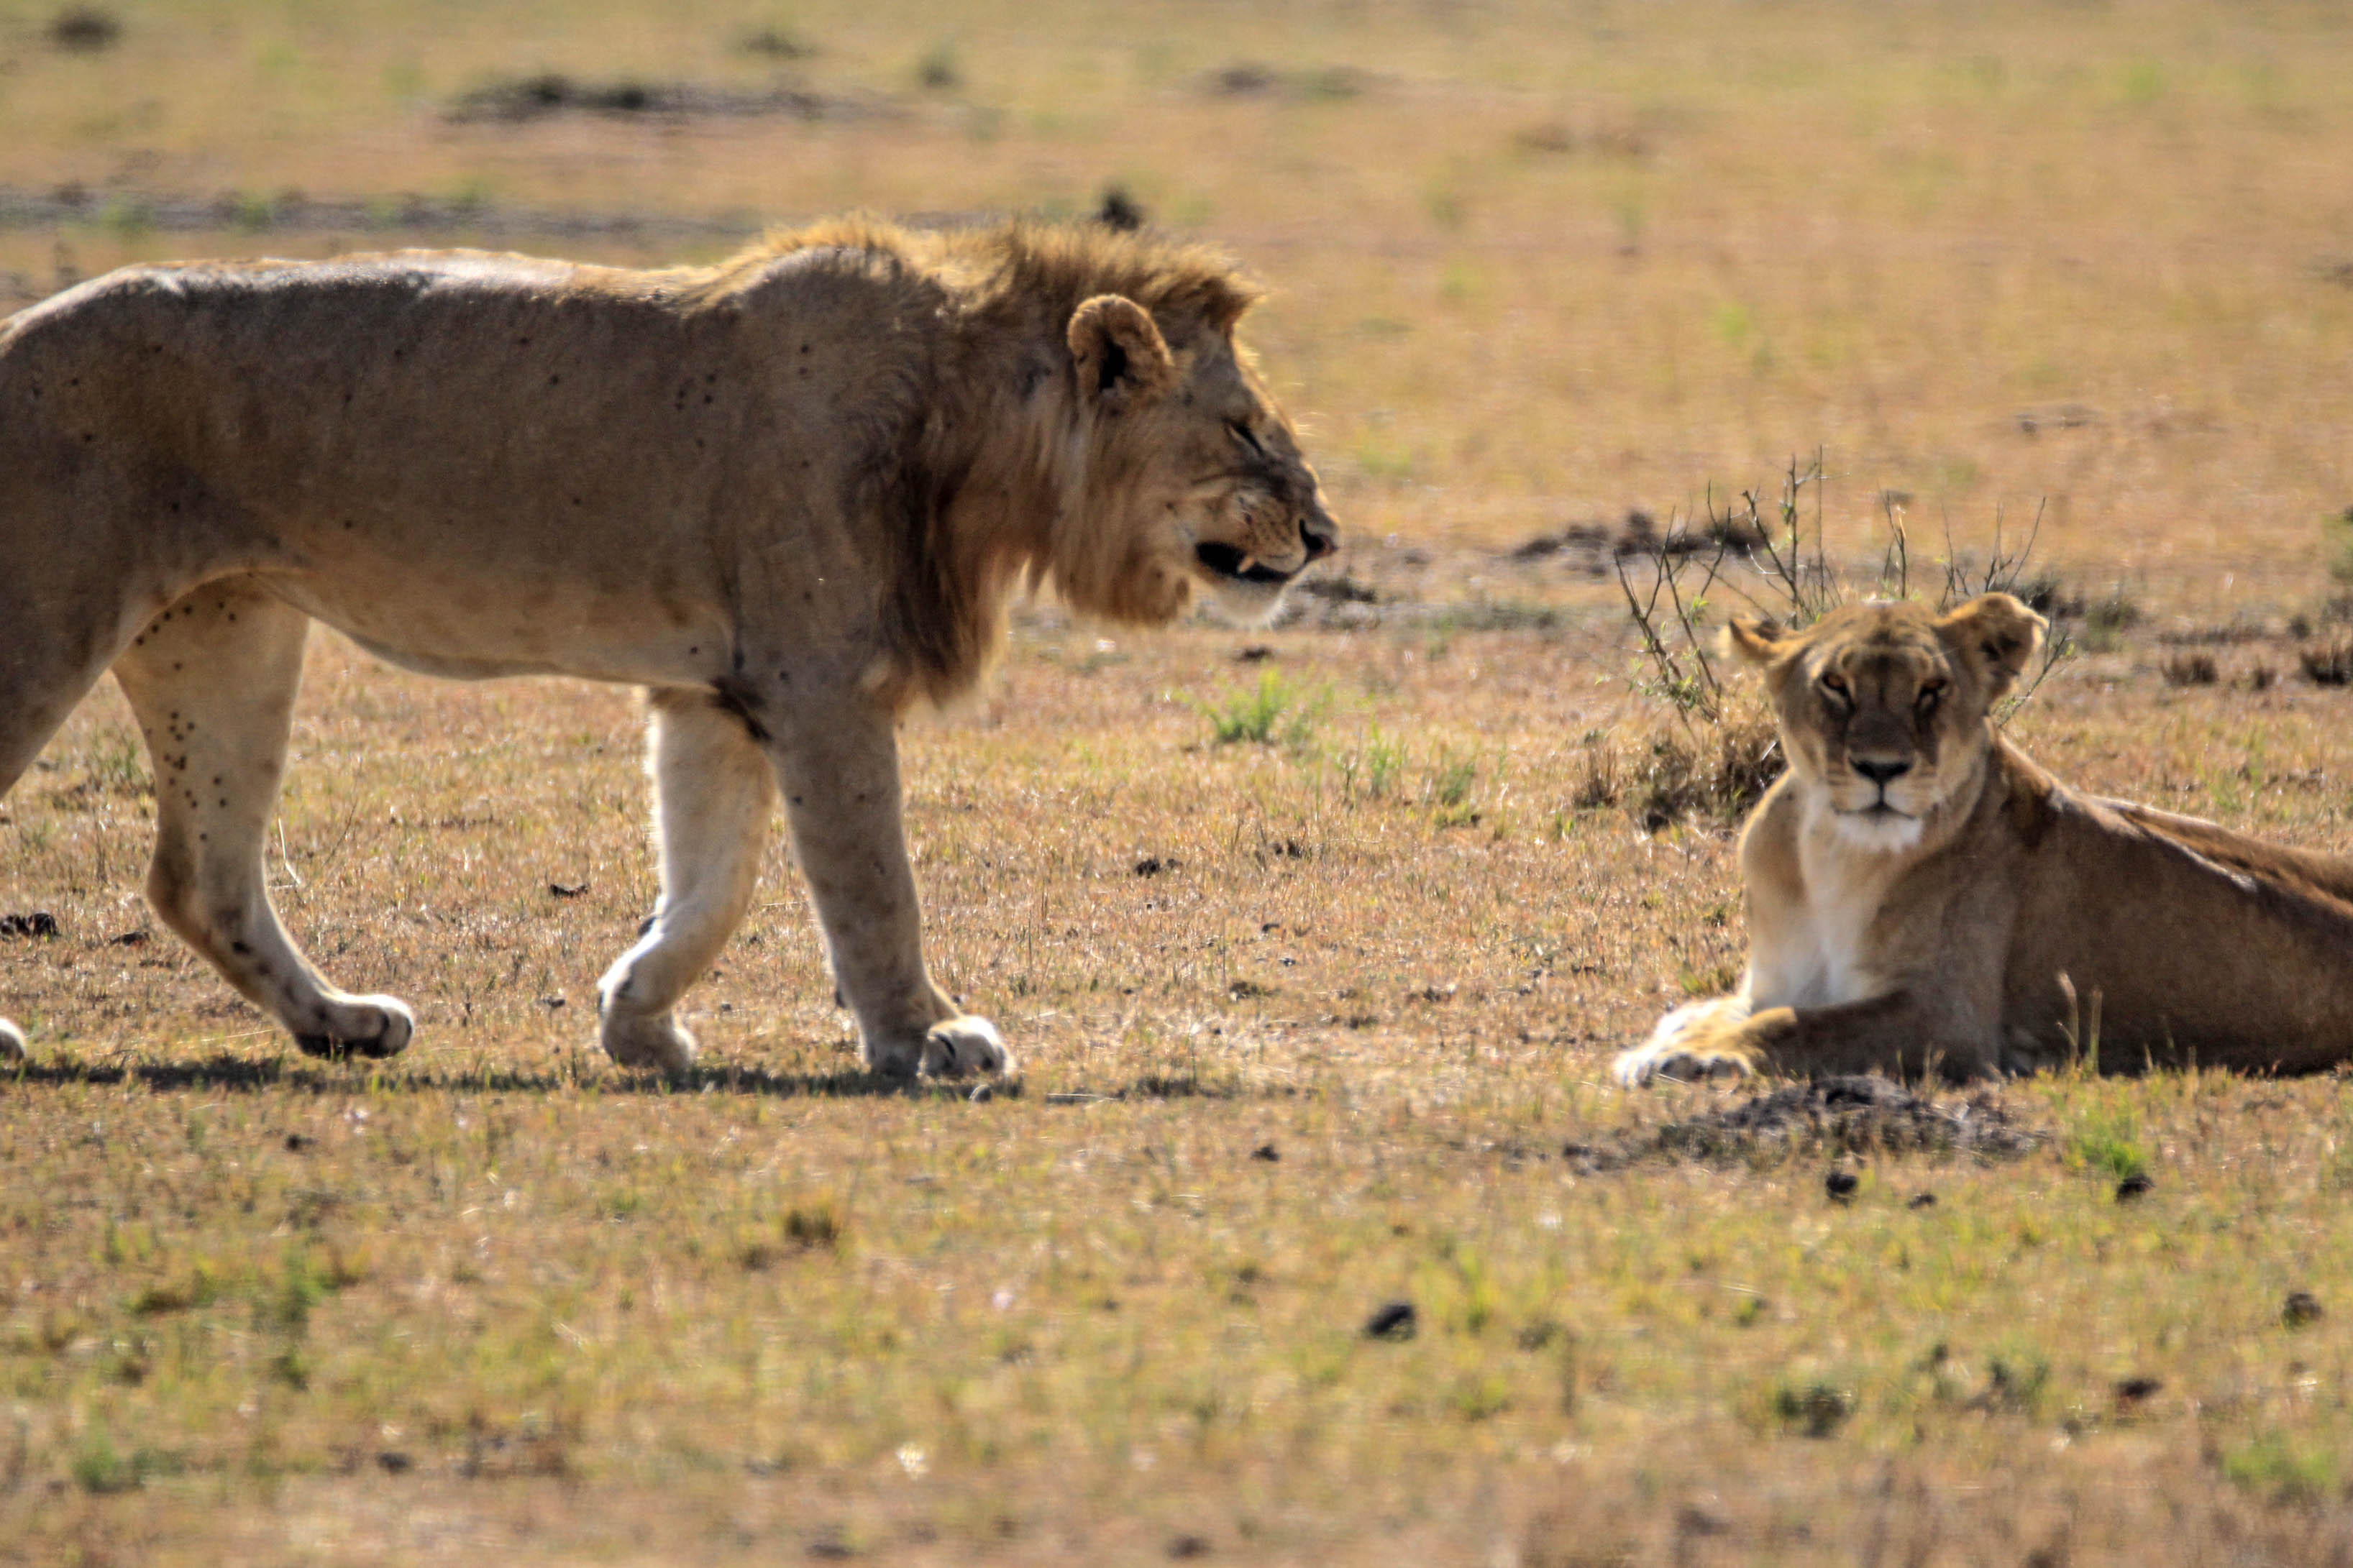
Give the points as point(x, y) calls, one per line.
point(1840, 1186)
point(1922, 1200)
point(297, 1141)
point(1189, 1546)
point(2132, 1187)
point(567, 889)
point(1395, 1320)
point(2134, 1390)
point(393, 1462)
point(2301, 1307)
point(1266, 1151)
point(40, 922)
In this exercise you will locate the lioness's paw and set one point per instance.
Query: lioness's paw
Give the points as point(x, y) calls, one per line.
point(959, 1047)
point(375, 1027)
point(12, 1042)
point(1679, 1063)
point(655, 1043)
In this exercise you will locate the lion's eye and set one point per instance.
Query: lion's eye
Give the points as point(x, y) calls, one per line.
point(1929, 697)
point(1244, 438)
point(1835, 685)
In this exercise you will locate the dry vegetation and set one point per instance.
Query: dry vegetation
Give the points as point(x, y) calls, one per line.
point(1315, 1018)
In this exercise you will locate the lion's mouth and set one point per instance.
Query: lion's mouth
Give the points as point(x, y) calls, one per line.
point(1225, 561)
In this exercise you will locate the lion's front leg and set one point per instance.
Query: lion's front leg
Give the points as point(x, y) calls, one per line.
point(839, 767)
point(713, 795)
point(1698, 1040)
point(1901, 1034)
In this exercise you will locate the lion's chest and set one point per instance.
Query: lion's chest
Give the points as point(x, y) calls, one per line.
point(1811, 945)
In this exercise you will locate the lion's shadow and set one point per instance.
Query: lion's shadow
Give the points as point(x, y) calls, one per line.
point(222, 1071)
point(237, 1074)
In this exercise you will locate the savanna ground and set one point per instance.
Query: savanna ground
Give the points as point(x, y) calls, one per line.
point(1310, 1025)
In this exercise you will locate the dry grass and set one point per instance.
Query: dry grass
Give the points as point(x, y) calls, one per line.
point(1533, 270)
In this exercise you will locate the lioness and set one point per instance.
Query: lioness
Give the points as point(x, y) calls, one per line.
point(1922, 896)
point(789, 495)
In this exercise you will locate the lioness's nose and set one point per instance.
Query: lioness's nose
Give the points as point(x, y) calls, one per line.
point(1881, 774)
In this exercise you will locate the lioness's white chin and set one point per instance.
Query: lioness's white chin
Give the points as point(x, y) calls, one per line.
point(1879, 829)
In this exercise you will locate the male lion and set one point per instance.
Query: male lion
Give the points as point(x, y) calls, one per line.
point(789, 495)
point(1923, 897)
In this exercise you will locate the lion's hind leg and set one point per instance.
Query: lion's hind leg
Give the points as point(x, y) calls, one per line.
point(212, 682)
point(713, 793)
point(55, 641)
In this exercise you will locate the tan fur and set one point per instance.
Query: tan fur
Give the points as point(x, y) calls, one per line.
point(789, 495)
point(1923, 898)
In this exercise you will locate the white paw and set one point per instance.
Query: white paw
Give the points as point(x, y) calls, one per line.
point(375, 1027)
point(634, 1040)
point(12, 1042)
point(959, 1047)
point(1656, 1060)
point(1688, 1045)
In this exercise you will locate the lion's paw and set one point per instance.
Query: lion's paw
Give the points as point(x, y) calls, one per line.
point(374, 1026)
point(1650, 1063)
point(959, 1047)
point(634, 1040)
point(12, 1042)
point(1699, 1040)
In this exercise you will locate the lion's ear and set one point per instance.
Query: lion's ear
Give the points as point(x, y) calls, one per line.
point(1998, 634)
point(1753, 639)
point(1120, 355)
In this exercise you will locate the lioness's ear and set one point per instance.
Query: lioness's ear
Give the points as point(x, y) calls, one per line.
point(1121, 357)
point(1753, 639)
point(1998, 634)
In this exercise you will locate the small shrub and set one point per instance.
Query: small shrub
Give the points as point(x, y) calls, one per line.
point(940, 71)
point(817, 1227)
point(2192, 670)
point(2106, 1140)
point(2107, 618)
point(1446, 792)
point(1119, 211)
point(1813, 1410)
point(2329, 663)
point(198, 1287)
point(2274, 1469)
point(101, 1469)
point(2016, 1381)
point(1259, 718)
point(2337, 540)
point(85, 29)
point(774, 44)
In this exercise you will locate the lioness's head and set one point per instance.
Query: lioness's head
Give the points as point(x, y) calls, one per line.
point(1882, 706)
point(1193, 476)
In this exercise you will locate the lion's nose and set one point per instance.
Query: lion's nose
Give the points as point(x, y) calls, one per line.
point(1881, 774)
point(1319, 533)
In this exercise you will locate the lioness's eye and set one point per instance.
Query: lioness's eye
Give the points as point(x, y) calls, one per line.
point(1834, 685)
point(1929, 697)
point(1242, 437)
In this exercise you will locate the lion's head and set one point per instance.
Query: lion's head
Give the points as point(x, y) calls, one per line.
point(1883, 707)
point(1193, 474)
